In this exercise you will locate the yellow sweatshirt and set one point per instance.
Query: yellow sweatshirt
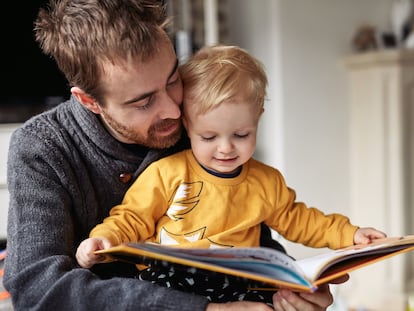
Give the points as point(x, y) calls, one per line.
point(176, 202)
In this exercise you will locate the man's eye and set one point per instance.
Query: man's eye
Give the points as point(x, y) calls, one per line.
point(147, 105)
point(174, 82)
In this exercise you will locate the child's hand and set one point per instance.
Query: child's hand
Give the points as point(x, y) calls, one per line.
point(85, 252)
point(367, 235)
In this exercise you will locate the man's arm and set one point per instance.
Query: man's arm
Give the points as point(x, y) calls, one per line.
point(40, 269)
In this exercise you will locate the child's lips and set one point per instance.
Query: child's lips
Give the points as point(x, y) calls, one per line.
point(226, 160)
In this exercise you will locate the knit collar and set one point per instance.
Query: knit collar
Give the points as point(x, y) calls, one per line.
point(93, 128)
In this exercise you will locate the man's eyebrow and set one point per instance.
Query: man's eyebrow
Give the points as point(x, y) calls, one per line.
point(148, 94)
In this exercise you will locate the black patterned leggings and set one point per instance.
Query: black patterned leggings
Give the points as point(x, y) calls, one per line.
point(216, 287)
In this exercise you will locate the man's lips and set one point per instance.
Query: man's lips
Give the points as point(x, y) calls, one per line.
point(168, 128)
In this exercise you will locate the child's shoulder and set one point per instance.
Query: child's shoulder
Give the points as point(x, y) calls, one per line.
point(167, 166)
point(262, 167)
point(258, 163)
point(173, 159)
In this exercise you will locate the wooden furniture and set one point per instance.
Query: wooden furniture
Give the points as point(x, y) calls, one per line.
point(6, 130)
point(382, 168)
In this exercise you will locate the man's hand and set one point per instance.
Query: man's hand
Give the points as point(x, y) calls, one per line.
point(286, 300)
point(238, 306)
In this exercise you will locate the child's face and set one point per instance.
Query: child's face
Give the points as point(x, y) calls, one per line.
point(224, 138)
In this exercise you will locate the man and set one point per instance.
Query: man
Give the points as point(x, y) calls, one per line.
point(69, 166)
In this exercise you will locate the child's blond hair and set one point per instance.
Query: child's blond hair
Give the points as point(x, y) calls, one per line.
point(220, 73)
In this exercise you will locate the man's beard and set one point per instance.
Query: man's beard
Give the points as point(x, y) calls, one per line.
point(152, 140)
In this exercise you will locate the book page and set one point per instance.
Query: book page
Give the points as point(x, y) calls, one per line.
point(217, 254)
point(262, 261)
point(314, 266)
point(264, 264)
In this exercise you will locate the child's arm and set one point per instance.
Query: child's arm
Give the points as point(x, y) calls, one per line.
point(85, 252)
point(367, 235)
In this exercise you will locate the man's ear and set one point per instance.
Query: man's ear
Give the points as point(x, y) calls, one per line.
point(86, 100)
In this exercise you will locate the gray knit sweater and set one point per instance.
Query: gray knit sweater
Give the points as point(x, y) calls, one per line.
point(63, 177)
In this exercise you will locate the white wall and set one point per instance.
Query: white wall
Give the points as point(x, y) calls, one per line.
point(305, 130)
point(5, 133)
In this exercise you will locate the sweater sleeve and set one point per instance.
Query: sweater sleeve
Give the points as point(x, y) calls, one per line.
point(136, 217)
point(44, 228)
point(299, 223)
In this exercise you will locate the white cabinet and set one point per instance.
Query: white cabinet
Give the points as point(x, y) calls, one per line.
point(5, 133)
point(382, 168)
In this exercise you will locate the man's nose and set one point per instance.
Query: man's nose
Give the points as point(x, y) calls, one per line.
point(170, 109)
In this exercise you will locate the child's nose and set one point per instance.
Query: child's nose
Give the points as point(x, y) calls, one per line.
point(225, 146)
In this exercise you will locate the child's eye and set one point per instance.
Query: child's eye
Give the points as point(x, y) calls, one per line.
point(241, 135)
point(208, 138)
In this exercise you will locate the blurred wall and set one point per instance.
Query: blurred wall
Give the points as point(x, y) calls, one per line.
point(305, 128)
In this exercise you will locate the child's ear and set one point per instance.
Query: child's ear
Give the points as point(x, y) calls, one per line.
point(86, 100)
point(260, 113)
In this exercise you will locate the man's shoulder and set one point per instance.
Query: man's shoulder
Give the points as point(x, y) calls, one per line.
point(35, 125)
point(64, 115)
point(48, 116)
point(45, 127)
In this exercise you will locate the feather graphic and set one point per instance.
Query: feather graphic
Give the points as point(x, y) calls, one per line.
point(169, 238)
point(186, 197)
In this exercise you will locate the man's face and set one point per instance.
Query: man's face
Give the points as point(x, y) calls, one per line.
point(143, 99)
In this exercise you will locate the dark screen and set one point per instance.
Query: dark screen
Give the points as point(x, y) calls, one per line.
point(26, 70)
point(29, 77)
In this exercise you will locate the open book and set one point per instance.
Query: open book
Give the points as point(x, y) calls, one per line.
point(265, 265)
